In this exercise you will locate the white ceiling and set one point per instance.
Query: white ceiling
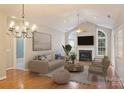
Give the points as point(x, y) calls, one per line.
point(64, 17)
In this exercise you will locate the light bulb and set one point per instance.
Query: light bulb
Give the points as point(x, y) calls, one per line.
point(17, 28)
point(79, 30)
point(26, 23)
point(34, 27)
point(12, 23)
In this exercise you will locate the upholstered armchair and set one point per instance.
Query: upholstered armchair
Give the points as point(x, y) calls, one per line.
point(97, 62)
point(99, 68)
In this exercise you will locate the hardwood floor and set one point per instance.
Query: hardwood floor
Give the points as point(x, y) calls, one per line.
point(17, 79)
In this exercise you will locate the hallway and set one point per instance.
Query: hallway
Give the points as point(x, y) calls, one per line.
point(19, 63)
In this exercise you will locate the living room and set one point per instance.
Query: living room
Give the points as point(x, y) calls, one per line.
point(91, 32)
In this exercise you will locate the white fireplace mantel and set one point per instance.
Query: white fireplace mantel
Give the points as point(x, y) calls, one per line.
point(86, 48)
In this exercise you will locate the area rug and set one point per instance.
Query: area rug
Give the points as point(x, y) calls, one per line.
point(80, 77)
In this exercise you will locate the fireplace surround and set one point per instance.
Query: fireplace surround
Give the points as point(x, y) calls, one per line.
point(85, 55)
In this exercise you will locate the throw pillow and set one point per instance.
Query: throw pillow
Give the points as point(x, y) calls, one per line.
point(49, 57)
point(42, 58)
point(36, 58)
point(58, 56)
point(39, 57)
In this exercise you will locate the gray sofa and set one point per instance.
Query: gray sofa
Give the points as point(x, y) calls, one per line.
point(43, 66)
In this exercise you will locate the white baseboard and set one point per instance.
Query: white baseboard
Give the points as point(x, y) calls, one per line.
point(19, 68)
point(3, 78)
point(10, 68)
point(23, 69)
point(26, 69)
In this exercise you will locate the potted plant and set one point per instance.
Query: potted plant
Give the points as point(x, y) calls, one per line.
point(73, 57)
point(67, 48)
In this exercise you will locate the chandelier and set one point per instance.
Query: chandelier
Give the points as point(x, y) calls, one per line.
point(78, 29)
point(21, 28)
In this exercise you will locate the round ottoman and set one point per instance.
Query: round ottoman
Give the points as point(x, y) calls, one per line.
point(61, 76)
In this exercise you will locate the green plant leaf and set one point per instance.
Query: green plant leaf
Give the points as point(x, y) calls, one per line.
point(67, 48)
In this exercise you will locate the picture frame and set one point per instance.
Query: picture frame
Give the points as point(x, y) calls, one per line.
point(41, 41)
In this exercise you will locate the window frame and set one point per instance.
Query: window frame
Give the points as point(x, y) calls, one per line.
point(97, 39)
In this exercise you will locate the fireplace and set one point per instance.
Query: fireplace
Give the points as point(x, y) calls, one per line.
point(85, 55)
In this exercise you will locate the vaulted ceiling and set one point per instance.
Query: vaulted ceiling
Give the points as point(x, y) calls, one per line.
point(64, 17)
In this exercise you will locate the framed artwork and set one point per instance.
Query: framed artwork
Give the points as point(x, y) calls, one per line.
point(41, 41)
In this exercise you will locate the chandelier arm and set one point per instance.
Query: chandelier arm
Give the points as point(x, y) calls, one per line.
point(26, 35)
point(15, 34)
point(21, 32)
point(23, 11)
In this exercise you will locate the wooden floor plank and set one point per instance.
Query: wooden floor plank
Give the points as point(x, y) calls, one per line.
point(17, 79)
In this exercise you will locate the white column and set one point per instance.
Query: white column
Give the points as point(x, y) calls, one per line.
point(112, 51)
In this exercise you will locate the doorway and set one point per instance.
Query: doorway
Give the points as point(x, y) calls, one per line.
point(19, 53)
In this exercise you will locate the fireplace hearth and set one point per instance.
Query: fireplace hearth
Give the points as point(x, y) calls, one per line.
point(85, 55)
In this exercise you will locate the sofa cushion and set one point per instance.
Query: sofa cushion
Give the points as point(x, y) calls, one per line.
point(54, 64)
point(38, 66)
point(59, 60)
point(97, 70)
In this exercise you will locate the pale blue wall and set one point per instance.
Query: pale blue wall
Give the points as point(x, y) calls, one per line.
point(19, 48)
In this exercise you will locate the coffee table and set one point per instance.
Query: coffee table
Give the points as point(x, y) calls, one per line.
point(74, 67)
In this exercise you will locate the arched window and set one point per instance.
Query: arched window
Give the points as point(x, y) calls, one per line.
point(101, 43)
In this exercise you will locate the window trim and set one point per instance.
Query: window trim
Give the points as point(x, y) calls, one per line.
point(97, 42)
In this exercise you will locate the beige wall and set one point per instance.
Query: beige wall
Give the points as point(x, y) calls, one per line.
point(91, 29)
point(119, 61)
point(58, 38)
point(2, 47)
point(9, 51)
